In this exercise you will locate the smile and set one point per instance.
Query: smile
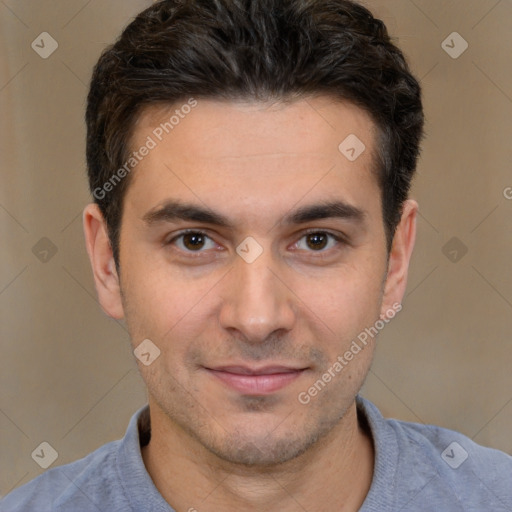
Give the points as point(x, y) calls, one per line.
point(256, 381)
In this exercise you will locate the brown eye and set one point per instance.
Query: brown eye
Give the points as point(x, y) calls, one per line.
point(193, 241)
point(317, 241)
point(320, 242)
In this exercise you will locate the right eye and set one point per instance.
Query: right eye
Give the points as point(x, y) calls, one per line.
point(192, 241)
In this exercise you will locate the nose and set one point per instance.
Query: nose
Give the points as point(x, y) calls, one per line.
point(257, 302)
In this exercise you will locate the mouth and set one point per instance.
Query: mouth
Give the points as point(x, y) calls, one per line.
point(256, 381)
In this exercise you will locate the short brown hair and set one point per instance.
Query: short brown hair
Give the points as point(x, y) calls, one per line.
point(253, 49)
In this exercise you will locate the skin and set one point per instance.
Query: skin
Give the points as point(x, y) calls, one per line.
point(213, 447)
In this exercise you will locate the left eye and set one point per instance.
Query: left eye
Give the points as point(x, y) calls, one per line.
point(193, 241)
point(318, 241)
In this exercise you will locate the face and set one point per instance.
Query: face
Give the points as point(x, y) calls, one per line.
point(253, 254)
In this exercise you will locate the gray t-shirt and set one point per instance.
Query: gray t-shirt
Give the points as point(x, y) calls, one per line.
point(417, 468)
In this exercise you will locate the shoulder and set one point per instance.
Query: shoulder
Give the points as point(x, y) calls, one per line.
point(442, 466)
point(451, 450)
point(80, 485)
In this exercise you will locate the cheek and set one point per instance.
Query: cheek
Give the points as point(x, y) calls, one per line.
point(347, 299)
point(162, 293)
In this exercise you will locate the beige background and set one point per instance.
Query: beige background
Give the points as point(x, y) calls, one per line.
point(66, 371)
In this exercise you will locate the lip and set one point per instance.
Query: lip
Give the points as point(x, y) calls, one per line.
point(256, 381)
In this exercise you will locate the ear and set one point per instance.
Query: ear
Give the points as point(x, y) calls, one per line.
point(102, 261)
point(399, 257)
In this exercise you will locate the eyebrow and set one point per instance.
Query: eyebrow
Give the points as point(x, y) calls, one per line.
point(176, 210)
point(333, 209)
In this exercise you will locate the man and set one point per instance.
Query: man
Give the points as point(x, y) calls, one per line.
point(250, 163)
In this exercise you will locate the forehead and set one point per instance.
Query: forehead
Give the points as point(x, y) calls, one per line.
point(261, 149)
point(224, 129)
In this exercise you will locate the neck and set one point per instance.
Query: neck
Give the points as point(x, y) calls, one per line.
point(336, 472)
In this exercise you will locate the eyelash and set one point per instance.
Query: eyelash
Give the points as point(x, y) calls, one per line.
point(338, 238)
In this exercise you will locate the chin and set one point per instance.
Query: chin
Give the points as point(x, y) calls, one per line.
point(262, 444)
point(240, 450)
